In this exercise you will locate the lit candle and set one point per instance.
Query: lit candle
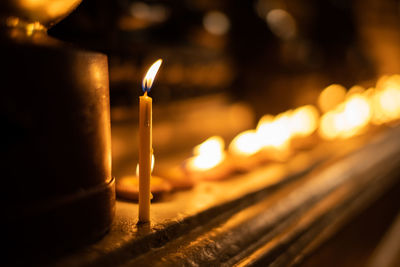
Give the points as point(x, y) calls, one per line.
point(145, 143)
point(127, 187)
point(209, 161)
point(244, 151)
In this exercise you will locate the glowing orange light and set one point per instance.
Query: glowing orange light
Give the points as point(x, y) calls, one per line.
point(304, 121)
point(386, 81)
point(150, 75)
point(246, 143)
point(331, 96)
point(48, 9)
point(347, 119)
point(386, 100)
point(274, 133)
point(356, 89)
point(357, 111)
point(208, 154)
point(328, 129)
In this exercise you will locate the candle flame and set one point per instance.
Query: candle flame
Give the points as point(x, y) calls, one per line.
point(348, 119)
point(150, 75)
point(277, 132)
point(385, 100)
point(274, 131)
point(152, 166)
point(245, 143)
point(208, 154)
point(304, 121)
point(331, 96)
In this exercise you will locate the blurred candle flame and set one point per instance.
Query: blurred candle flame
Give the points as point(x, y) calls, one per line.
point(208, 154)
point(275, 132)
point(245, 143)
point(348, 119)
point(356, 89)
point(331, 96)
point(386, 100)
point(150, 75)
point(375, 105)
point(304, 121)
point(345, 115)
point(357, 111)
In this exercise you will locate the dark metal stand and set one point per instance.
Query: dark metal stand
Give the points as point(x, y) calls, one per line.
point(57, 191)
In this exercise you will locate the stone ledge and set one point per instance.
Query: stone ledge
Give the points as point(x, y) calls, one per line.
point(227, 222)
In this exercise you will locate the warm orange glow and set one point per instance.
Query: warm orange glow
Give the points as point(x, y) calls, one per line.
point(347, 119)
point(328, 129)
point(357, 111)
point(274, 133)
point(304, 121)
point(12, 21)
point(331, 96)
point(356, 89)
point(45, 10)
point(152, 166)
point(245, 143)
point(150, 75)
point(390, 102)
point(386, 100)
point(387, 81)
point(208, 154)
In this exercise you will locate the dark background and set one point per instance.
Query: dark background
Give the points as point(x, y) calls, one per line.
point(274, 54)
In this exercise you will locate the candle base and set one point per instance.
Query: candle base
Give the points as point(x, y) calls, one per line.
point(219, 172)
point(177, 177)
point(127, 187)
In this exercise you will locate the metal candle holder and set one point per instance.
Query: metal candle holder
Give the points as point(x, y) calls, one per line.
point(58, 191)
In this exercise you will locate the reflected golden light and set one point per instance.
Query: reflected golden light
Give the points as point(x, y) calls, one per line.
point(208, 154)
point(150, 75)
point(330, 97)
point(304, 121)
point(245, 143)
point(152, 166)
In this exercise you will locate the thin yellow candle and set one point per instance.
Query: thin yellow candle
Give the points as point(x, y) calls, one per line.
point(145, 143)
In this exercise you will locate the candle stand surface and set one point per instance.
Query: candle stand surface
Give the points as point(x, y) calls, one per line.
point(277, 214)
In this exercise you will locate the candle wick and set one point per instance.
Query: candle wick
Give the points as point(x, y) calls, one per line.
point(145, 93)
